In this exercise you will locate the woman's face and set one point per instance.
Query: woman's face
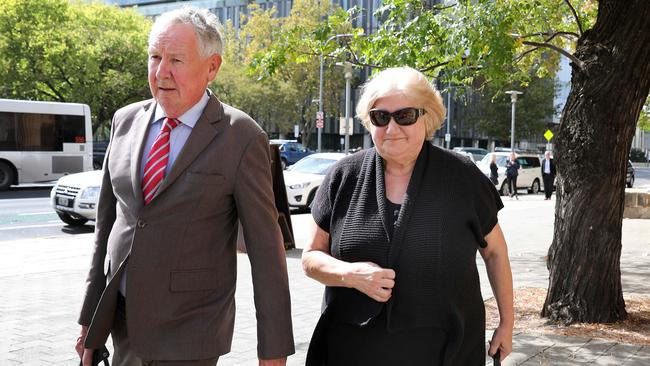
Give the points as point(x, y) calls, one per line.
point(394, 142)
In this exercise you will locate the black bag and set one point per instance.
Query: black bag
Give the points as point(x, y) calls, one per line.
point(99, 355)
point(497, 358)
point(494, 180)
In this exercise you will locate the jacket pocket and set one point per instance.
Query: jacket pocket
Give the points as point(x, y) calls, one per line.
point(193, 280)
point(204, 178)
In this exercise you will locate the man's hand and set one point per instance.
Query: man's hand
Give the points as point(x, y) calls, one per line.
point(275, 362)
point(85, 354)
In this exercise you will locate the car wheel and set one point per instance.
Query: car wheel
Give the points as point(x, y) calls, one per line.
point(283, 163)
point(534, 189)
point(72, 221)
point(6, 176)
point(631, 182)
point(504, 191)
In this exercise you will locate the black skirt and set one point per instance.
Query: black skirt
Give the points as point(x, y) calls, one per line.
point(373, 344)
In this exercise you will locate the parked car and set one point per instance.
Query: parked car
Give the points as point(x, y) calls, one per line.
point(629, 177)
point(466, 155)
point(477, 152)
point(530, 175)
point(74, 197)
point(303, 178)
point(290, 151)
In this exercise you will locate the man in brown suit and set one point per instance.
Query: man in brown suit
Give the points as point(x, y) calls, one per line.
point(180, 171)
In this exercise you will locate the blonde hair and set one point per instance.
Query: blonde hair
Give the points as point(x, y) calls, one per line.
point(408, 83)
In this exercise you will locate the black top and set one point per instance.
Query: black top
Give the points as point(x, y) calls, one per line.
point(512, 168)
point(494, 170)
point(448, 209)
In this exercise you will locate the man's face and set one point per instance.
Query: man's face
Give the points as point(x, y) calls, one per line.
point(178, 74)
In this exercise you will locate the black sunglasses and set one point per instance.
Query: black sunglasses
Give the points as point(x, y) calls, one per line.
point(403, 117)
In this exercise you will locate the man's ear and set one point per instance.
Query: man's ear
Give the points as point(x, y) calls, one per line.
point(214, 65)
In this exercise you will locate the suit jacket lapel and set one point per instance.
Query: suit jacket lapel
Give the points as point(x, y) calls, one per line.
point(142, 122)
point(202, 134)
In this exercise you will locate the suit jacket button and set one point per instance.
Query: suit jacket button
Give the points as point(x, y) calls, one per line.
point(141, 223)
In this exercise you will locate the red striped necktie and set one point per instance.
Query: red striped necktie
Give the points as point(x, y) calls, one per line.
point(154, 168)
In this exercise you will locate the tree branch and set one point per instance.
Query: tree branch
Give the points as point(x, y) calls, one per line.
point(520, 57)
point(575, 15)
point(555, 48)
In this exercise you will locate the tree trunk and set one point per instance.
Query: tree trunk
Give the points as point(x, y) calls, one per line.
point(593, 144)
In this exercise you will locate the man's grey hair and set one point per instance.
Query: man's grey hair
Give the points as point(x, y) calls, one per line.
point(207, 26)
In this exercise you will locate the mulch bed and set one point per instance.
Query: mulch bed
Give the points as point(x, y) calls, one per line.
point(528, 304)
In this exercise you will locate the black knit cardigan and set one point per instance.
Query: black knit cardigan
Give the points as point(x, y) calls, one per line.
point(448, 208)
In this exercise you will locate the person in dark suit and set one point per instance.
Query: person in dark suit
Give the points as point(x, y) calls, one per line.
point(395, 234)
point(180, 172)
point(548, 174)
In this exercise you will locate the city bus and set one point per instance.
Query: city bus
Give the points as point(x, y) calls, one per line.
point(43, 141)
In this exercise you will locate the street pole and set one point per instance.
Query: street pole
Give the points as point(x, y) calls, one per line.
point(348, 94)
point(447, 135)
point(513, 100)
point(320, 89)
point(320, 101)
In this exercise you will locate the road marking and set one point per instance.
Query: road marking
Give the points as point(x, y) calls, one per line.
point(27, 227)
point(36, 213)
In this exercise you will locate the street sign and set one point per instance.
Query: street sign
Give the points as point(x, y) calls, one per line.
point(319, 123)
point(548, 134)
point(342, 126)
point(447, 137)
point(319, 115)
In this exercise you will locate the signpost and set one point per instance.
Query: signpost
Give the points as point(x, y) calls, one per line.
point(319, 119)
point(548, 135)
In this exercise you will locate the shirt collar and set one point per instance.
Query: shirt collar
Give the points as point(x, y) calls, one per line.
point(188, 118)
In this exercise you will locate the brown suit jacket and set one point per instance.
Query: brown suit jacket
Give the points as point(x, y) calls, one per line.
point(180, 249)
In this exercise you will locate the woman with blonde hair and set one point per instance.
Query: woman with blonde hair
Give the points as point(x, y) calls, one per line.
point(395, 234)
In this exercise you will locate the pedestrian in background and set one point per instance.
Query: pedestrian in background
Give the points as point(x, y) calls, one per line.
point(182, 169)
point(512, 171)
point(494, 170)
point(395, 234)
point(548, 174)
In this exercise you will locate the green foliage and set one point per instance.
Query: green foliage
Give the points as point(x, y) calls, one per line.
point(644, 117)
point(70, 51)
point(490, 110)
point(271, 66)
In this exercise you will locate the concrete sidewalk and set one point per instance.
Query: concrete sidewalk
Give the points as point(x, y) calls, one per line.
point(41, 283)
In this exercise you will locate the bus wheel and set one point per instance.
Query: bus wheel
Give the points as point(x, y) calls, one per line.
point(72, 221)
point(6, 176)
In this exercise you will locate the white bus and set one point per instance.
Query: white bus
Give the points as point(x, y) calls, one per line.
point(43, 141)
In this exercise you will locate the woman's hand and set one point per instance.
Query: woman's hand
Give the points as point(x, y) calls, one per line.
point(501, 340)
point(372, 280)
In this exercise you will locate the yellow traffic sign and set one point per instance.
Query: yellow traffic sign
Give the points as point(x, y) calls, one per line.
point(548, 134)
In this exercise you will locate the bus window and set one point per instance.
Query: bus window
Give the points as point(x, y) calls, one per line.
point(7, 131)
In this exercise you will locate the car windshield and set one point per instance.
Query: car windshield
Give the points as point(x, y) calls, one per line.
point(501, 160)
point(312, 165)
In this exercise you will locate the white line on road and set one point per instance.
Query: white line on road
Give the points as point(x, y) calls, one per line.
point(36, 213)
point(26, 227)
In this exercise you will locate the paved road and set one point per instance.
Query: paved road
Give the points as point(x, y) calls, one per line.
point(41, 282)
point(25, 212)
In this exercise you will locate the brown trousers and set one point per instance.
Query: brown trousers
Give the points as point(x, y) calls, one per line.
point(124, 356)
